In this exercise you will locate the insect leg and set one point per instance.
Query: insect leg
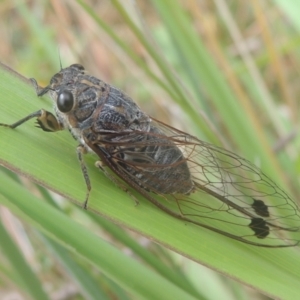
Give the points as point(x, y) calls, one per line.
point(45, 120)
point(39, 91)
point(99, 164)
point(81, 150)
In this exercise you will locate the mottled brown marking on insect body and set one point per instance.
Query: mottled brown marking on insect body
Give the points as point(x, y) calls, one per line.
point(72, 120)
point(88, 81)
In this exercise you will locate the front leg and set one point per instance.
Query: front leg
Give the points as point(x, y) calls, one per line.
point(45, 120)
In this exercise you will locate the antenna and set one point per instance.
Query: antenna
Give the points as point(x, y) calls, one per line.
point(59, 58)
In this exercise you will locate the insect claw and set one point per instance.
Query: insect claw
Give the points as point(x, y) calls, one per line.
point(136, 201)
point(84, 206)
point(85, 203)
point(5, 125)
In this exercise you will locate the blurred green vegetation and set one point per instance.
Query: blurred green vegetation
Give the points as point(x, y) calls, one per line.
point(225, 71)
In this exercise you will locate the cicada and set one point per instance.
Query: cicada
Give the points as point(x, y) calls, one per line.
point(189, 179)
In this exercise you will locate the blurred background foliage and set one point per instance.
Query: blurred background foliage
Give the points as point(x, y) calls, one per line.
point(226, 71)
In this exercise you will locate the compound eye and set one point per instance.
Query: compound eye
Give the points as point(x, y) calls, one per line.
point(65, 101)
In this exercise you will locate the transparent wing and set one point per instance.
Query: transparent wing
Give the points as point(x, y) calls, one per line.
point(202, 184)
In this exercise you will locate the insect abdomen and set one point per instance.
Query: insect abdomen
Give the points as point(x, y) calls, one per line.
point(158, 165)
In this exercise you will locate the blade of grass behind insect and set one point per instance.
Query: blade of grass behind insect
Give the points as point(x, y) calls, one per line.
point(89, 287)
point(291, 8)
point(181, 98)
point(258, 88)
point(111, 261)
point(39, 32)
point(268, 105)
point(32, 286)
point(9, 276)
point(172, 275)
point(126, 48)
point(85, 281)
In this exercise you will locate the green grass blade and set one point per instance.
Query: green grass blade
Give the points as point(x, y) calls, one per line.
point(120, 235)
point(122, 269)
point(50, 160)
point(140, 62)
point(201, 62)
point(39, 32)
point(31, 284)
point(89, 287)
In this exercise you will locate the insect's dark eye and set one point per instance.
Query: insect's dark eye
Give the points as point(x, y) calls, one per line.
point(65, 101)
